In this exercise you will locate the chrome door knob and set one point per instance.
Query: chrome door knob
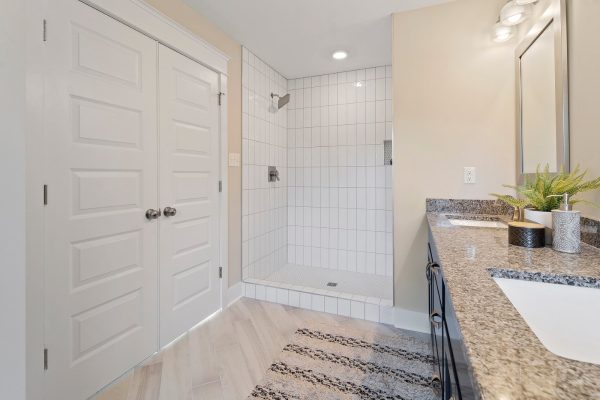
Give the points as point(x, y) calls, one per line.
point(170, 211)
point(152, 214)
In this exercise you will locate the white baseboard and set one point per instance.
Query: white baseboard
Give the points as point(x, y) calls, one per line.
point(411, 320)
point(233, 294)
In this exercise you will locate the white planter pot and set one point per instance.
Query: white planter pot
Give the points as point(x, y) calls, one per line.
point(543, 218)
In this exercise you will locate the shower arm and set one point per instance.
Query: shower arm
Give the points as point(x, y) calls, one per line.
point(281, 100)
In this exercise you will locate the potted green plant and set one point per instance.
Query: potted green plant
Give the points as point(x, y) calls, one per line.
point(542, 194)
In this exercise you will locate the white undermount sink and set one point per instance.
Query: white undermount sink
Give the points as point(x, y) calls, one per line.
point(477, 223)
point(564, 318)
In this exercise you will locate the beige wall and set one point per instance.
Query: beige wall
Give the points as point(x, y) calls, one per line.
point(584, 67)
point(454, 108)
point(192, 20)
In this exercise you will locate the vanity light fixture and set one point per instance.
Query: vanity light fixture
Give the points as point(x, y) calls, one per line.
point(502, 33)
point(339, 55)
point(513, 14)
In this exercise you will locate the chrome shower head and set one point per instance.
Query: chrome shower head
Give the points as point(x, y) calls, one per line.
point(281, 100)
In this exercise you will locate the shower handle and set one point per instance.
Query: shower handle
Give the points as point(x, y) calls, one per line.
point(273, 175)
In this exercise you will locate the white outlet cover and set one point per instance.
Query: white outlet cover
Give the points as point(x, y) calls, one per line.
point(234, 159)
point(470, 175)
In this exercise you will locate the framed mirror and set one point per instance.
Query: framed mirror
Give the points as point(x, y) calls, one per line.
point(542, 94)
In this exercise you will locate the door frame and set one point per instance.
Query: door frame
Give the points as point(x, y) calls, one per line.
point(150, 22)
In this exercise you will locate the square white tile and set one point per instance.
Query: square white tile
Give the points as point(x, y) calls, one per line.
point(271, 294)
point(371, 312)
point(331, 305)
point(344, 307)
point(283, 296)
point(261, 292)
point(250, 290)
point(305, 300)
point(318, 302)
point(294, 298)
point(357, 309)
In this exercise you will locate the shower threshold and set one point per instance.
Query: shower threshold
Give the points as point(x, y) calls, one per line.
point(358, 295)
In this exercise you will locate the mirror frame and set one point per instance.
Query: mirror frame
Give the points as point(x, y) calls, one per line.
point(554, 17)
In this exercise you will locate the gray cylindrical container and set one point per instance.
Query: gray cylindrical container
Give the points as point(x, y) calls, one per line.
point(566, 226)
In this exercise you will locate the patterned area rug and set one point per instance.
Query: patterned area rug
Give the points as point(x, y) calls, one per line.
point(336, 365)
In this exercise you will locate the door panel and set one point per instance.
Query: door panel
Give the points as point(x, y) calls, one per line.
point(189, 170)
point(101, 255)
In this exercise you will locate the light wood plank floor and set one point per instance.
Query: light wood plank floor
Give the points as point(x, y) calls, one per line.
point(225, 357)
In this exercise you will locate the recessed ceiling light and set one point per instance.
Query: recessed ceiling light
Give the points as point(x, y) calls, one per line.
point(339, 55)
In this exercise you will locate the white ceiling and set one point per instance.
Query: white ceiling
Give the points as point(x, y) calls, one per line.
point(297, 37)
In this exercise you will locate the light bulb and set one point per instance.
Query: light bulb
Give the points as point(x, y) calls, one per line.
point(339, 55)
point(515, 19)
point(513, 13)
point(502, 33)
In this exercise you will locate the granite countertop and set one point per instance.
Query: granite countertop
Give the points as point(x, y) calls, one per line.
point(508, 361)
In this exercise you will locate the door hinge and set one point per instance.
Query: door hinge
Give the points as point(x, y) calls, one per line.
point(221, 94)
point(45, 30)
point(220, 272)
point(220, 186)
point(45, 195)
point(45, 359)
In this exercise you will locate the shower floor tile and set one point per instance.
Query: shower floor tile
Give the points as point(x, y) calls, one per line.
point(352, 285)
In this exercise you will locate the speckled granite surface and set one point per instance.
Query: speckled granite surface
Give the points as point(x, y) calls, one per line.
point(473, 217)
point(454, 206)
point(508, 360)
point(569, 280)
point(590, 231)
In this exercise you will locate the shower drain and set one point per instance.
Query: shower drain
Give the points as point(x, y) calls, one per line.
point(332, 284)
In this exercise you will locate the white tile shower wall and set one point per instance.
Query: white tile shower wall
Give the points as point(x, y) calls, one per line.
point(339, 191)
point(264, 137)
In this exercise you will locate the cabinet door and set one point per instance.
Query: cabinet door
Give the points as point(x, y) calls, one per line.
point(436, 322)
point(101, 259)
point(452, 389)
point(466, 383)
point(189, 178)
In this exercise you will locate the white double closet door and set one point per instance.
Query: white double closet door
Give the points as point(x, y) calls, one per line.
point(189, 183)
point(131, 126)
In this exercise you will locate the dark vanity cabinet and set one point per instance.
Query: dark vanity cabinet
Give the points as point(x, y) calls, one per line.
point(451, 377)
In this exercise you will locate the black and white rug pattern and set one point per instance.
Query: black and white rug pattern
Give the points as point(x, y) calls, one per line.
point(343, 365)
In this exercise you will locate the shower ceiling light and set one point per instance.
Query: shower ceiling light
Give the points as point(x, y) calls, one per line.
point(502, 33)
point(513, 13)
point(339, 55)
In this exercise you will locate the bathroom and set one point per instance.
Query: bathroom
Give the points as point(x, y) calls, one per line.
point(220, 199)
